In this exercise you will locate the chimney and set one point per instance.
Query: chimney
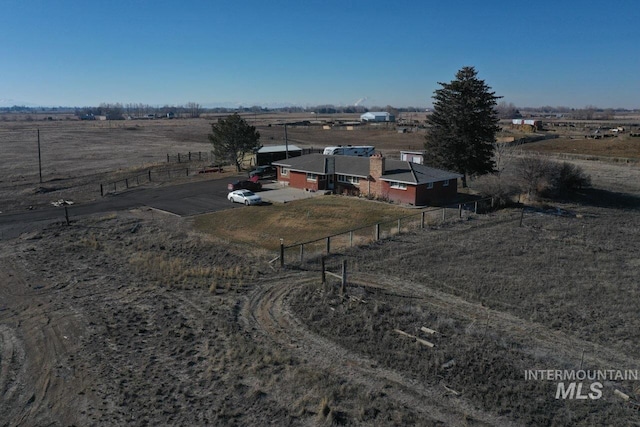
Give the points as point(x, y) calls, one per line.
point(376, 166)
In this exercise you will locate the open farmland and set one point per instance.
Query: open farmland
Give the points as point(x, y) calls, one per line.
point(143, 318)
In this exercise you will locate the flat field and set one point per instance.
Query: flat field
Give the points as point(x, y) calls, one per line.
point(137, 317)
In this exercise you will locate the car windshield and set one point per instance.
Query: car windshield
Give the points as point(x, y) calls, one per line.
point(247, 193)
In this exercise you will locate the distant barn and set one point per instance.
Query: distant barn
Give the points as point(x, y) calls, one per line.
point(377, 116)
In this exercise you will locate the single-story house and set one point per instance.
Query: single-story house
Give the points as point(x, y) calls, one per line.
point(377, 116)
point(377, 177)
point(271, 153)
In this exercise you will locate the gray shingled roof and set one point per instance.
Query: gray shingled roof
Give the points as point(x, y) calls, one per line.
point(395, 170)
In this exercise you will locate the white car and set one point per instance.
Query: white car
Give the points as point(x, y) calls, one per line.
point(244, 196)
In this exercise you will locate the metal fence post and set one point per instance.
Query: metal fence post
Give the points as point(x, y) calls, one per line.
point(422, 220)
point(444, 213)
point(189, 155)
point(126, 182)
point(324, 275)
point(351, 239)
point(328, 245)
point(301, 252)
point(168, 158)
point(460, 210)
point(344, 276)
point(66, 215)
point(199, 155)
point(101, 191)
point(178, 157)
point(149, 175)
point(399, 225)
point(377, 232)
point(475, 207)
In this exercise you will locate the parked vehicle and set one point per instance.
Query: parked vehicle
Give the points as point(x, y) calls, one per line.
point(266, 171)
point(246, 184)
point(350, 150)
point(244, 196)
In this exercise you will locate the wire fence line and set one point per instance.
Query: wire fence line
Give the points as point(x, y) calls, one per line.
point(141, 178)
point(191, 156)
point(300, 254)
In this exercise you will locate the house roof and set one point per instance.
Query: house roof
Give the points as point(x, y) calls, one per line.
point(278, 148)
point(395, 170)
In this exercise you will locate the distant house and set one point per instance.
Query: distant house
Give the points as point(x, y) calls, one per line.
point(377, 116)
point(271, 153)
point(412, 156)
point(526, 124)
point(394, 180)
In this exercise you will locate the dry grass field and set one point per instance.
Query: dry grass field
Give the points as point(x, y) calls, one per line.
point(141, 318)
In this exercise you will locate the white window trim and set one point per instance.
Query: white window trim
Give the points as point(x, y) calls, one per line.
point(445, 183)
point(312, 177)
point(397, 185)
point(429, 185)
point(284, 171)
point(349, 179)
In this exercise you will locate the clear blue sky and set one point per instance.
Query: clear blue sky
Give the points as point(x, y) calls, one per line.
point(306, 52)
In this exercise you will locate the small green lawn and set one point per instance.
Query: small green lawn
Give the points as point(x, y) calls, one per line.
point(297, 221)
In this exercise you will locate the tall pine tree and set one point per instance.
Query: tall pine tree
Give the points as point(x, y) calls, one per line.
point(463, 126)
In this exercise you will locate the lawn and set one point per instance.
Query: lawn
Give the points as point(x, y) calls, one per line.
point(298, 221)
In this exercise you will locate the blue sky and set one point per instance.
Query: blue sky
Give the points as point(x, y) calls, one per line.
point(241, 52)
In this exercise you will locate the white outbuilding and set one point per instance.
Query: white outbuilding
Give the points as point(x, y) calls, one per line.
point(377, 116)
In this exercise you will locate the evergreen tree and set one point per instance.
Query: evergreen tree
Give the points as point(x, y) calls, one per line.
point(463, 126)
point(232, 138)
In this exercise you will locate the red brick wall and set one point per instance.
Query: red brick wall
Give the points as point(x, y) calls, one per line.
point(437, 194)
point(299, 180)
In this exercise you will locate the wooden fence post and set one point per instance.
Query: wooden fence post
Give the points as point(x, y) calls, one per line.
point(475, 207)
point(351, 239)
point(281, 253)
point(324, 275)
point(343, 286)
point(521, 217)
point(398, 225)
point(444, 213)
point(301, 252)
point(66, 215)
point(377, 232)
point(492, 203)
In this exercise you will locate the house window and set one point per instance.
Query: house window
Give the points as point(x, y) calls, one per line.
point(398, 185)
point(430, 185)
point(349, 179)
point(284, 171)
point(312, 177)
point(445, 183)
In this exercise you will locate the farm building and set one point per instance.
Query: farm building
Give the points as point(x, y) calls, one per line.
point(526, 125)
point(271, 153)
point(412, 156)
point(377, 116)
point(394, 180)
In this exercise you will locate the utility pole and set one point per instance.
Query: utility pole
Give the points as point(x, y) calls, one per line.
point(286, 142)
point(39, 158)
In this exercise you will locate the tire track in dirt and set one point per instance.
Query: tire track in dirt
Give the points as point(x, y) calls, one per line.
point(38, 376)
point(266, 310)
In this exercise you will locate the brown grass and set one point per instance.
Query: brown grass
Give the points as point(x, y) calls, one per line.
point(299, 221)
point(621, 147)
